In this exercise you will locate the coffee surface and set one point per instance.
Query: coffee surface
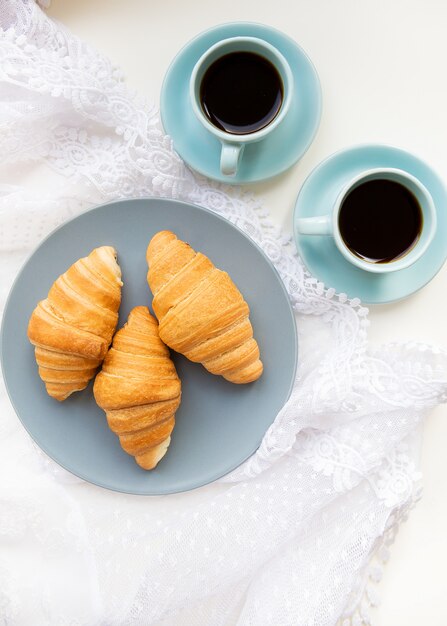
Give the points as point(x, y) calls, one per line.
point(241, 92)
point(380, 220)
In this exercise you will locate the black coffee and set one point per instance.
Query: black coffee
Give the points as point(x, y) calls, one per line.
point(241, 92)
point(380, 220)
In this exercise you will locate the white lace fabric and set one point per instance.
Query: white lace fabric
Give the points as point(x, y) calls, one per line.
point(288, 538)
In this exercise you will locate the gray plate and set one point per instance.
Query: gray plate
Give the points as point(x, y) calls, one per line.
point(218, 424)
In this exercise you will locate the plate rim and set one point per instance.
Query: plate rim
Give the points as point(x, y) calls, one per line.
point(98, 483)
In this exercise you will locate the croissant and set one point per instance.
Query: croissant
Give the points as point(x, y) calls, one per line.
point(139, 389)
point(73, 327)
point(201, 312)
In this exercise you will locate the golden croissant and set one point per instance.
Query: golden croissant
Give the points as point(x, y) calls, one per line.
point(139, 389)
point(73, 327)
point(201, 312)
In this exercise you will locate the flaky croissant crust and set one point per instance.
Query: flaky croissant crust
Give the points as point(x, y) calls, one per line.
point(73, 327)
point(139, 389)
point(201, 312)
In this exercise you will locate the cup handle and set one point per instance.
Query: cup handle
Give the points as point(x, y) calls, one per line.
point(320, 225)
point(230, 157)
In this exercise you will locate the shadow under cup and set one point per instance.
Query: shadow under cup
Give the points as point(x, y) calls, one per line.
point(247, 81)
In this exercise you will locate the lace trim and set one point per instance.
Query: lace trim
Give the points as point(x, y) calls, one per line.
point(365, 598)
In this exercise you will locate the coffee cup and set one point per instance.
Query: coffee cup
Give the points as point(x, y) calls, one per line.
point(240, 91)
point(383, 220)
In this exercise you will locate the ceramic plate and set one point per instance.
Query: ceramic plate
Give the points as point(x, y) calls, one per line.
point(320, 253)
point(219, 424)
point(281, 149)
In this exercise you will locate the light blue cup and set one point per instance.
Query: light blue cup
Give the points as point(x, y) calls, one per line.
point(233, 145)
point(328, 224)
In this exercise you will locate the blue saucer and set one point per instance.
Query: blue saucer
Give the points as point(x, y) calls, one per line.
point(280, 150)
point(320, 254)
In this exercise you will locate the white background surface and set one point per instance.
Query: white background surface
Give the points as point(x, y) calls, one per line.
point(382, 67)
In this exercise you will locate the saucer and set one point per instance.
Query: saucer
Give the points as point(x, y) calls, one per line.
point(321, 256)
point(265, 159)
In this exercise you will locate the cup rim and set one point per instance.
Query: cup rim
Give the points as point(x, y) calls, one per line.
point(407, 258)
point(285, 105)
